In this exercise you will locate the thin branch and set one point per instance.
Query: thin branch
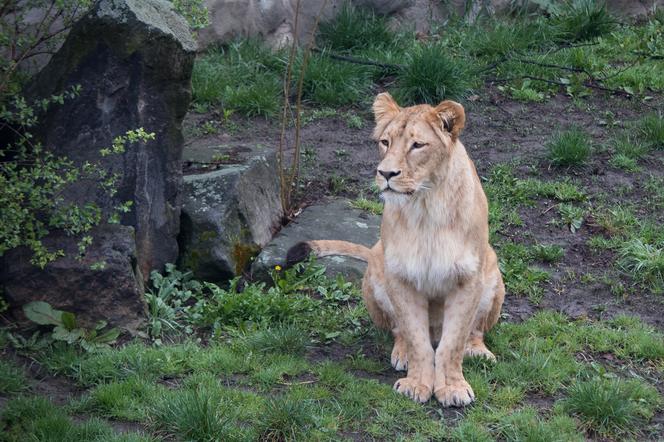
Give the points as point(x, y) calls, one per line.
point(357, 60)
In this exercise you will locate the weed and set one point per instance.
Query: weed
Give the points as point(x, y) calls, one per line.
point(548, 253)
point(520, 278)
point(168, 301)
point(612, 405)
point(572, 216)
point(66, 328)
point(569, 148)
point(353, 121)
point(355, 28)
point(651, 131)
point(431, 75)
point(337, 184)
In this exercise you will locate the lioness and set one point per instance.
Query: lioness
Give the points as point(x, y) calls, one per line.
point(432, 278)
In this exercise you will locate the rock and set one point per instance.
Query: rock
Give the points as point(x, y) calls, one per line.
point(228, 215)
point(274, 21)
point(113, 293)
point(332, 220)
point(133, 62)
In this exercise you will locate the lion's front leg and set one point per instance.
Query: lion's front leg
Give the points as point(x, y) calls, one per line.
point(450, 387)
point(411, 312)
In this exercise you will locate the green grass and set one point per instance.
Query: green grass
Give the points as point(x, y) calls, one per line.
point(243, 77)
point(612, 406)
point(371, 206)
point(354, 28)
point(199, 414)
point(12, 378)
point(244, 389)
point(644, 261)
point(328, 82)
point(582, 20)
point(651, 131)
point(35, 418)
point(569, 148)
point(431, 76)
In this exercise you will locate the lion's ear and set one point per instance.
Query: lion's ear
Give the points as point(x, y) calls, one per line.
point(384, 106)
point(452, 117)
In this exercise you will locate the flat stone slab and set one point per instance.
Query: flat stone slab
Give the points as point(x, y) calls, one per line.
point(333, 219)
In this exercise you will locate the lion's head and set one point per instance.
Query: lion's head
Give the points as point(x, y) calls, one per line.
point(414, 143)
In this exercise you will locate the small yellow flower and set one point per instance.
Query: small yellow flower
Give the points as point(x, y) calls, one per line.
point(277, 268)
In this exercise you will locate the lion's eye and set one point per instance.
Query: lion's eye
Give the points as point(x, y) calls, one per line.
point(385, 143)
point(418, 145)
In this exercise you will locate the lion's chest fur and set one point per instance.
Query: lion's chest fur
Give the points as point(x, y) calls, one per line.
point(430, 257)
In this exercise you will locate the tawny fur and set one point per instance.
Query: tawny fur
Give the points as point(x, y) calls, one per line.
point(432, 278)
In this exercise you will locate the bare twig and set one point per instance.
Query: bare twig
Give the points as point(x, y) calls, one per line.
point(357, 60)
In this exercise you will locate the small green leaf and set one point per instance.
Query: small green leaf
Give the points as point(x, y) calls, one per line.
point(68, 320)
point(42, 313)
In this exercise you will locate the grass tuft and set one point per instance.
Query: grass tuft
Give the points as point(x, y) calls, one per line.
point(645, 262)
point(355, 28)
point(199, 414)
point(569, 148)
point(651, 131)
point(580, 20)
point(430, 76)
point(612, 405)
point(280, 339)
point(285, 419)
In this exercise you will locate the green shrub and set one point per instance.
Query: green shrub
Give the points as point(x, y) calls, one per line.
point(354, 28)
point(569, 148)
point(430, 76)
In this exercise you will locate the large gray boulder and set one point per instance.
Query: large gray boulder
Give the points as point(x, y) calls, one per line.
point(102, 284)
point(334, 219)
point(133, 61)
point(228, 215)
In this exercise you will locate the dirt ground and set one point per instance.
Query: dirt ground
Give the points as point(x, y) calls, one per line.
point(339, 160)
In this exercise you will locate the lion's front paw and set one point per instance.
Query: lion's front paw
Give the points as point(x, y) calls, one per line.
point(399, 357)
point(457, 394)
point(414, 389)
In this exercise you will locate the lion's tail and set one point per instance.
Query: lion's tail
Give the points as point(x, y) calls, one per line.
point(301, 251)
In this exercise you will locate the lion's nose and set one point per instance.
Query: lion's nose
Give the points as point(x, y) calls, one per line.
point(389, 173)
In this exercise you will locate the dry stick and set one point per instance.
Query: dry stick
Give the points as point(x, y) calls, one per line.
point(295, 167)
point(284, 193)
point(357, 60)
